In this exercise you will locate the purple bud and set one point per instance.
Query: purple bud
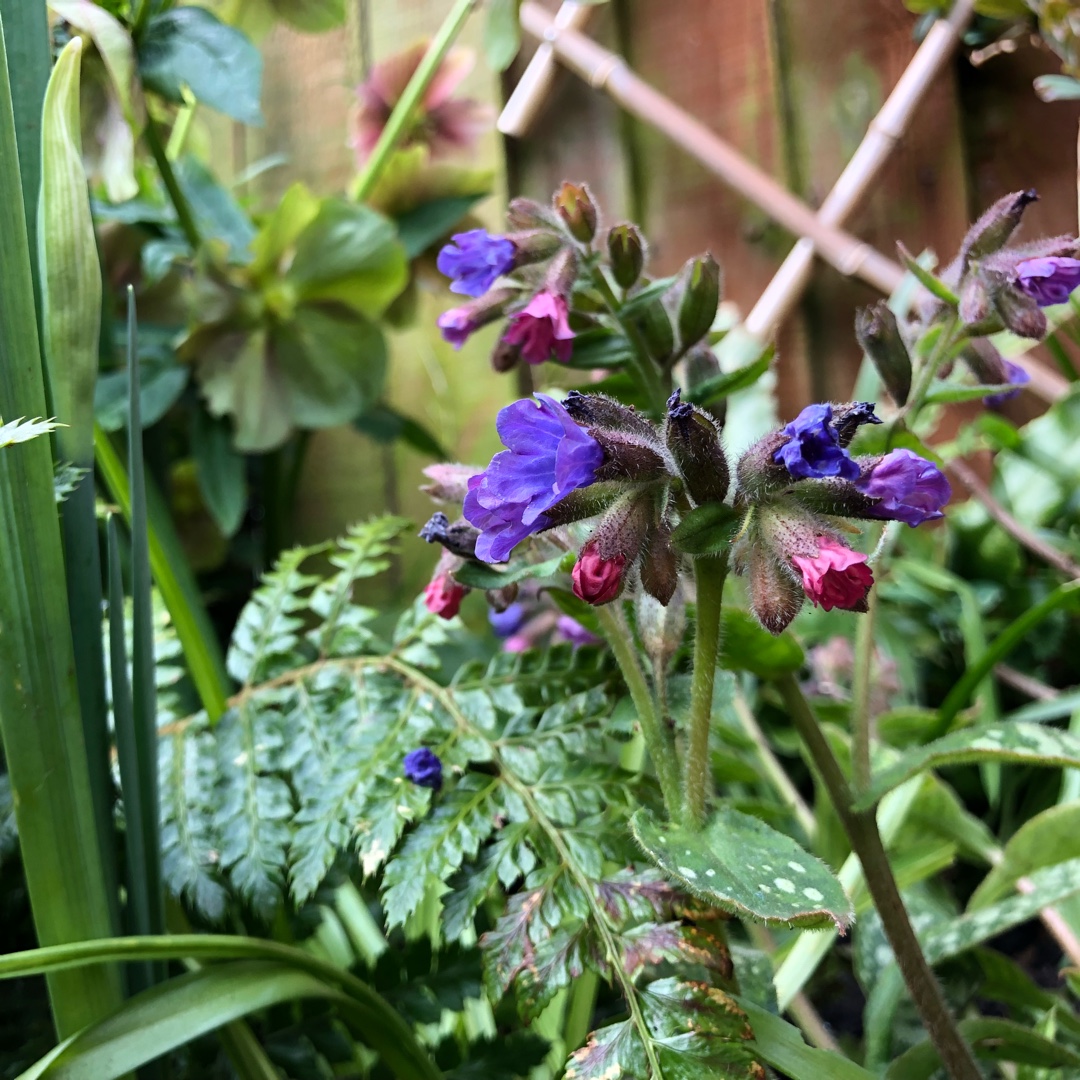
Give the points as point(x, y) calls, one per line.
point(1048, 281)
point(475, 260)
point(812, 450)
point(507, 622)
point(423, 768)
point(573, 632)
point(459, 323)
point(1015, 375)
point(909, 488)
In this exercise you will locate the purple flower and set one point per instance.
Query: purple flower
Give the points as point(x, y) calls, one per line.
point(813, 448)
point(474, 260)
point(910, 488)
point(1017, 376)
point(572, 631)
point(547, 457)
point(505, 623)
point(457, 325)
point(1049, 280)
point(424, 768)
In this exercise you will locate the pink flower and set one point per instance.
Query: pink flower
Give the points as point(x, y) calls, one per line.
point(836, 577)
point(542, 329)
point(597, 580)
point(443, 596)
point(442, 124)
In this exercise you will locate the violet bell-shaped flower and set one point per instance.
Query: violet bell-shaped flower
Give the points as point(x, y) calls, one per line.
point(475, 260)
point(548, 456)
point(1048, 281)
point(1015, 376)
point(908, 488)
point(813, 449)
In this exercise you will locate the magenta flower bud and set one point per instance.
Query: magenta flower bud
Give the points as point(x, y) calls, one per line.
point(443, 596)
point(908, 488)
point(542, 330)
point(423, 768)
point(548, 456)
point(598, 580)
point(1048, 281)
point(474, 260)
point(836, 577)
point(1015, 375)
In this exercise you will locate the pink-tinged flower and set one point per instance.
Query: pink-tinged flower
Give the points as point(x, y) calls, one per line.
point(443, 596)
point(458, 325)
point(836, 577)
point(441, 123)
point(542, 330)
point(597, 580)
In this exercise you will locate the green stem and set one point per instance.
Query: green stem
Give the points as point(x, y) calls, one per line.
point(657, 737)
point(400, 119)
point(860, 696)
point(924, 380)
point(709, 575)
point(579, 1011)
point(142, 17)
point(168, 177)
point(862, 832)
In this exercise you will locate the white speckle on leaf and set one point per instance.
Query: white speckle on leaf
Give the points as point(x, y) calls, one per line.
point(813, 894)
point(373, 858)
point(710, 873)
point(797, 867)
point(766, 867)
point(784, 885)
point(764, 888)
point(687, 872)
point(240, 760)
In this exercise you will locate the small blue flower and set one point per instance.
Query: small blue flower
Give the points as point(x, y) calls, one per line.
point(1049, 280)
point(1017, 377)
point(909, 488)
point(423, 768)
point(813, 449)
point(474, 260)
point(508, 621)
point(547, 457)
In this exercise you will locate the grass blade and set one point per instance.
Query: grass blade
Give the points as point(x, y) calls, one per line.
point(40, 718)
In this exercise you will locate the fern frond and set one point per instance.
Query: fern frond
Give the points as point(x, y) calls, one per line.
point(22, 430)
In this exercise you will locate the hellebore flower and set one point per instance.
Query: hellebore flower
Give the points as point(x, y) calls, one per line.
point(423, 768)
point(542, 329)
point(597, 580)
point(569, 629)
point(474, 260)
point(443, 596)
point(507, 622)
point(1050, 280)
point(836, 577)
point(547, 457)
point(1017, 376)
point(813, 449)
point(909, 488)
point(442, 124)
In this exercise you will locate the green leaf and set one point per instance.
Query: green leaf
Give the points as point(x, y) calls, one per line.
point(220, 470)
point(70, 274)
point(190, 47)
point(311, 16)
point(707, 530)
point(1047, 839)
point(217, 214)
point(948, 395)
point(423, 225)
point(781, 1045)
point(934, 285)
point(744, 866)
point(598, 348)
point(992, 1040)
point(161, 380)
point(480, 576)
point(297, 209)
point(1029, 743)
point(727, 383)
point(746, 646)
point(502, 34)
point(351, 254)
point(385, 424)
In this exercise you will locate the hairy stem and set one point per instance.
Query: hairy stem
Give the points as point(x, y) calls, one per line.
point(657, 737)
point(398, 125)
point(860, 696)
point(709, 575)
point(862, 832)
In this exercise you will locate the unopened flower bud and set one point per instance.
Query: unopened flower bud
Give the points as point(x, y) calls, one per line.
point(601, 411)
point(598, 580)
point(700, 282)
point(660, 626)
point(993, 230)
point(694, 441)
point(660, 566)
point(443, 596)
point(654, 324)
point(976, 309)
point(525, 213)
point(626, 249)
point(449, 482)
point(459, 538)
point(534, 246)
point(505, 356)
point(632, 449)
point(879, 335)
point(1019, 311)
point(574, 205)
point(775, 595)
point(501, 601)
point(985, 362)
point(459, 323)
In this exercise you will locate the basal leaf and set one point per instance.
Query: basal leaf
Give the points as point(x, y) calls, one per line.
point(1029, 743)
point(742, 865)
point(190, 47)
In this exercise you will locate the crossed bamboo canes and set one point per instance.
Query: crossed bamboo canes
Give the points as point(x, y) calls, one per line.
point(821, 233)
